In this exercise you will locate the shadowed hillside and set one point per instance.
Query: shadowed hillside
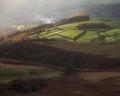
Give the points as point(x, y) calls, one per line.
point(42, 54)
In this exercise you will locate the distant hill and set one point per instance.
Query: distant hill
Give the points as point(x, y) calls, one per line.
point(107, 11)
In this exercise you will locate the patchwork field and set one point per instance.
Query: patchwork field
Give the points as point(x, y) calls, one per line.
point(70, 32)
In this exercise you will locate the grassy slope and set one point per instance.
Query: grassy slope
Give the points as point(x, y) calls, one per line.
point(69, 32)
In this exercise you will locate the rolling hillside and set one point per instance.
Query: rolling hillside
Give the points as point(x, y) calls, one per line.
point(47, 43)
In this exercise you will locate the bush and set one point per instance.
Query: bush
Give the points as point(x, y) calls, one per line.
point(69, 69)
point(26, 86)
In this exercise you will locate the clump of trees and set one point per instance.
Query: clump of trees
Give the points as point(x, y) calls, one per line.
point(74, 18)
point(89, 26)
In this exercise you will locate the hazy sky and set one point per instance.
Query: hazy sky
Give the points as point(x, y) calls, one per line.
point(22, 11)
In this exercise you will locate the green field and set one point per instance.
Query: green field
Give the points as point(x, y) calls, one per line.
point(11, 72)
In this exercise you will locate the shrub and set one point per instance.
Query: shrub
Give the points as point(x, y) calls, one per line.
point(26, 86)
point(69, 70)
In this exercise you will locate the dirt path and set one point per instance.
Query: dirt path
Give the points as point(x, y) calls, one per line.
point(98, 76)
